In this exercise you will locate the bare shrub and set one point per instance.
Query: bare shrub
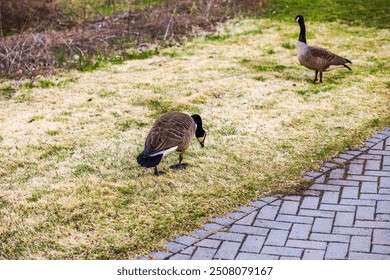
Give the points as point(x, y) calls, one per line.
point(31, 52)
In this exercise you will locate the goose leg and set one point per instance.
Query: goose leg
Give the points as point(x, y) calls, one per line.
point(320, 77)
point(180, 165)
point(315, 78)
point(157, 172)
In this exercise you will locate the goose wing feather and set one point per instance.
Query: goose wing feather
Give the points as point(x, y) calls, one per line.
point(326, 57)
point(170, 130)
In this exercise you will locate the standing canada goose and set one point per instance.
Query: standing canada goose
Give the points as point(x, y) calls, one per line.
point(173, 131)
point(316, 58)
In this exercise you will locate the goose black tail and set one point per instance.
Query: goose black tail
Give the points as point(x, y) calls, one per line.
point(147, 161)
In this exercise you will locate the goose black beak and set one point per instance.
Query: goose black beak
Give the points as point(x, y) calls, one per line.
point(201, 144)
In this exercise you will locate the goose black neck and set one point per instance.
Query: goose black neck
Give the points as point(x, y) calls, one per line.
point(302, 34)
point(199, 129)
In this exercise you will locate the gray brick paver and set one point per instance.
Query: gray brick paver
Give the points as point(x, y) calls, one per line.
point(248, 220)
point(277, 237)
point(174, 247)
point(363, 178)
point(227, 251)
point(350, 192)
point(204, 254)
point(228, 236)
point(268, 212)
point(330, 237)
point(209, 243)
point(316, 213)
point(223, 221)
point(364, 202)
point(336, 251)
point(372, 224)
point(282, 251)
point(249, 256)
point(373, 165)
point(330, 197)
point(337, 173)
point(344, 219)
point(367, 256)
point(360, 244)
point(272, 224)
point(249, 230)
point(213, 227)
point(300, 231)
point(295, 219)
point(180, 257)
point(353, 231)
point(383, 217)
point(365, 213)
point(311, 254)
point(186, 240)
point(306, 244)
point(189, 250)
point(381, 249)
point(381, 236)
point(344, 183)
point(369, 187)
point(323, 225)
point(355, 169)
point(384, 182)
point(379, 196)
point(383, 207)
point(253, 244)
point(310, 202)
point(338, 207)
point(289, 207)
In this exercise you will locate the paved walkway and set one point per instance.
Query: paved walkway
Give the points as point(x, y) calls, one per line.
point(345, 214)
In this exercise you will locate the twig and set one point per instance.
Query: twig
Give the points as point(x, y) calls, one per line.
point(84, 18)
point(169, 25)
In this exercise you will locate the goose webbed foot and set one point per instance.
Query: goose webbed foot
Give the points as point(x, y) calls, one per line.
point(179, 166)
point(158, 172)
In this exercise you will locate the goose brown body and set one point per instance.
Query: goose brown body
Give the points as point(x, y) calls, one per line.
point(170, 130)
point(173, 131)
point(316, 58)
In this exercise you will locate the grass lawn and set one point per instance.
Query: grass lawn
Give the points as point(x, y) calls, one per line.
point(70, 187)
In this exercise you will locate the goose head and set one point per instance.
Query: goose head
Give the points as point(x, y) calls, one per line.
point(299, 19)
point(199, 133)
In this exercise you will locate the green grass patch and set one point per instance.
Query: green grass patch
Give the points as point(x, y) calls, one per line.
point(7, 92)
point(52, 132)
point(83, 170)
point(368, 13)
point(270, 68)
point(131, 123)
point(288, 45)
point(141, 54)
point(107, 93)
point(218, 37)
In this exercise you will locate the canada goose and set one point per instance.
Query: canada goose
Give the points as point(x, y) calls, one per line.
point(173, 131)
point(316, 58)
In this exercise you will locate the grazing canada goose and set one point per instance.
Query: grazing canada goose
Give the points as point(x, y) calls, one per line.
point(173, 131)
point(316, 58)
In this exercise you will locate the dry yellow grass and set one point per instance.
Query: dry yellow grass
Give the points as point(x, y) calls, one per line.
point(70, 186)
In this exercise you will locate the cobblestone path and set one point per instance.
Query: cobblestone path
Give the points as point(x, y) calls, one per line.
point(345, 214)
